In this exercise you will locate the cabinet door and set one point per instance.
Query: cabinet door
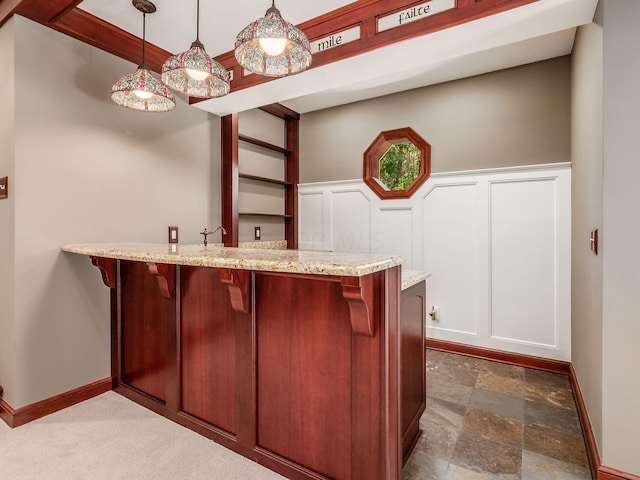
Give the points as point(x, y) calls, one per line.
point(145, 318)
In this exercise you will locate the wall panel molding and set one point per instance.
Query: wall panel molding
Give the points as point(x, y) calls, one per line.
point(452, 254)
point(397, 229)
point(598, 471)
point(523, 232)
point(20, 416)
point(528, 361)
point(608, 473)
point(350, 221)
point(451, 228)
point(312, 226)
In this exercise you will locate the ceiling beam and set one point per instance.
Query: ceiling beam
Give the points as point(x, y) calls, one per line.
point(96, 32)
point(41, 11)
point(45, 11)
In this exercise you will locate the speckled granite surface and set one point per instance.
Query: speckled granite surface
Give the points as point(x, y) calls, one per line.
point(261, 244)
point(411, 277)
point(288, 261)
point(265, 244)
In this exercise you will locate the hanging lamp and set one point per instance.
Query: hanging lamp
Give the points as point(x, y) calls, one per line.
point(273, 47)
point(194, 72)
point(140, 90)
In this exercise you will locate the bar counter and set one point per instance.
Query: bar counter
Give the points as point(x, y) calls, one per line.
point(301, 361)
point(264, 260)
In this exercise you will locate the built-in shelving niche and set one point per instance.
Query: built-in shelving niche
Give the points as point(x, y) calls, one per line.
point(260, 175)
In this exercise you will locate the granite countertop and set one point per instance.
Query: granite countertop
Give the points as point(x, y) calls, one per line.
point(287, 261)
point(411, 277)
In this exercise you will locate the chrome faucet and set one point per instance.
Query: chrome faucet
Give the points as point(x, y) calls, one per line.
point(205, 233)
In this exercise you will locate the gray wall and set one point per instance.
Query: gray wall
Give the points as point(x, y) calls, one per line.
point(519, 116)
point(7, 369)
point(87, 170)
point(586, 153)
point(621, 228)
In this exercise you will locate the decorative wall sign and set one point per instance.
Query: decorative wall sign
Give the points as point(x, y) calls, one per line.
point(335, 39)
point(4, 187)
point(414, 13)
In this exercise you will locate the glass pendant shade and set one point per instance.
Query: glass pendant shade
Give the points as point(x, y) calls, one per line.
point(140, 90)
point(194, 72)
point(273, 47)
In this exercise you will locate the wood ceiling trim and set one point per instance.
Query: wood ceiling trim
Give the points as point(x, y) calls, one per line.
point(65, 11)
point(365, 15)
point(7, 9)
point(45, 11)
point(65, 17)
point(92, 30)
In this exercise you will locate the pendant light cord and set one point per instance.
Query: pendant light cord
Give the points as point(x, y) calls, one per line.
point(144, 34)
point(198, 21)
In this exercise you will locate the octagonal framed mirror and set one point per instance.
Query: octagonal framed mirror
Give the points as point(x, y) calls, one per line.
point(397, 163)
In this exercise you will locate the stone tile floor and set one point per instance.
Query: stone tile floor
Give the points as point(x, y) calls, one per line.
point(492, 421)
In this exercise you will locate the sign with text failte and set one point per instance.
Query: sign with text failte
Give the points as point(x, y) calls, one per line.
point(335, 40)
point(4, 187)
point(414, 13)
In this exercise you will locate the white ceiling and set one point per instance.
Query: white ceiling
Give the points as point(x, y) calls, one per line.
point(538, 31)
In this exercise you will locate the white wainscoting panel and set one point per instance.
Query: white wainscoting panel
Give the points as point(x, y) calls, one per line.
point(451, 256)
point(350, 221)
point(497, 244)
point(393, 233)
point(312, 229)
point(524, 264)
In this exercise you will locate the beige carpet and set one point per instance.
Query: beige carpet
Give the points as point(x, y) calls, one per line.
point(110, 437)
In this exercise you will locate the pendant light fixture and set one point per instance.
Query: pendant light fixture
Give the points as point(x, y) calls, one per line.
point(273, 47)
point(140, 90)
point(194, 72)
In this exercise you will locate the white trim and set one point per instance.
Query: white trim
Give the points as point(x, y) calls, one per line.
point(457, 173)
point(498, 170)
point(474, 293)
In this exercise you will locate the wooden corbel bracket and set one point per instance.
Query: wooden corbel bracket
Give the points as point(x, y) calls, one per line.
point(166, 276)
point(358, 291)
point(239, 284)
point(107, 267)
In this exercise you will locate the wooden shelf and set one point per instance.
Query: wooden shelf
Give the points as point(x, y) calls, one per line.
point(289, 154)
point(260, 143)
point(252, 214)
point(265, 179)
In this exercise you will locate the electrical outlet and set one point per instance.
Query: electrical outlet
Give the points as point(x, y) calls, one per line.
point(173, 234)
point(257, 233)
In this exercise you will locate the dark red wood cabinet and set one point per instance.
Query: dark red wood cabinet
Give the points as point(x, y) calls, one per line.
point(412, 367)
point(313, 376)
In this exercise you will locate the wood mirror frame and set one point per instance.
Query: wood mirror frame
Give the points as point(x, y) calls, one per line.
point(377, 150)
